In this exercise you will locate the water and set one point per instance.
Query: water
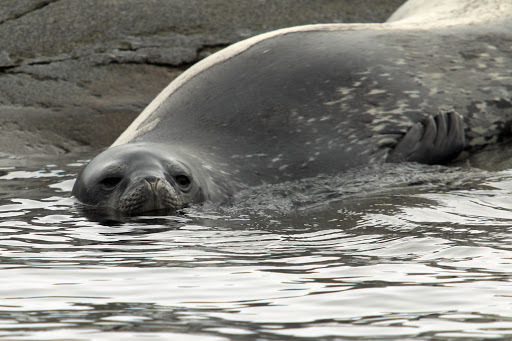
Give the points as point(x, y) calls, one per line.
point(404, 252)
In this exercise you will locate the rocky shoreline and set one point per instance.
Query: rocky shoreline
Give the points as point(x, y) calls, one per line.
point(75, 73)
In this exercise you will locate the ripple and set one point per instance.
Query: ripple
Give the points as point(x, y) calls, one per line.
point(414, 252)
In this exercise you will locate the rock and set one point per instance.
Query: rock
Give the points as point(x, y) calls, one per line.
point(74, 73)
point(5, 60)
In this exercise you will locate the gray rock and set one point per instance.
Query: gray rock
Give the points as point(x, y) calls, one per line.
point(5, 60)
point(74, 73)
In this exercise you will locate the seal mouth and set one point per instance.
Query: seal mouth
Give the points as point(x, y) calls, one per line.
point(149, 195)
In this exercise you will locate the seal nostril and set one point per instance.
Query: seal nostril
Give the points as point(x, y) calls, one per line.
point(151, 179)
point(110, 182)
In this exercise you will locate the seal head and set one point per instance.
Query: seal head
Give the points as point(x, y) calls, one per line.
point(137, 178)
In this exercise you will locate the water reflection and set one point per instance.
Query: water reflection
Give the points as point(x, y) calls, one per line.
point(422, 254)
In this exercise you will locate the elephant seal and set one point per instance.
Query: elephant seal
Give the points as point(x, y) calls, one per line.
point(316, 99)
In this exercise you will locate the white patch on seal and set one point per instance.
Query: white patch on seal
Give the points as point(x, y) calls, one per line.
point(376, 92)
point(412, 93)
point(450, 13)
point(277, 158)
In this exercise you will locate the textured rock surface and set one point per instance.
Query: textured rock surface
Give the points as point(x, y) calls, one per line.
point(74, 73)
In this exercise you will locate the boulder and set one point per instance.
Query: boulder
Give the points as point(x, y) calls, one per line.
point(75, 73)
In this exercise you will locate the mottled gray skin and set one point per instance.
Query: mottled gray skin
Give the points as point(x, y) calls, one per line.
point(322, 99)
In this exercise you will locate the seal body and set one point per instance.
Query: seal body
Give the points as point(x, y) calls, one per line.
point(320, 99)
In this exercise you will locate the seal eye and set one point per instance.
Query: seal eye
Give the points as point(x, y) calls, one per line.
point(110, 182)
point(183, 181)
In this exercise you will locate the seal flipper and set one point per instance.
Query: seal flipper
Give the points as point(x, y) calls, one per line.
point(438, 139)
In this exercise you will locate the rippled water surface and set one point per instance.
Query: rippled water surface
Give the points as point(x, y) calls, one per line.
point(404, 252)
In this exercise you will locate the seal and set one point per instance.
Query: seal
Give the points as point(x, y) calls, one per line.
point(316, 99)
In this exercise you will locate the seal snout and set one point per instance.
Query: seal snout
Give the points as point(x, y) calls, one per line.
point(149, 192)
point(158, 190)
point(154, 183)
